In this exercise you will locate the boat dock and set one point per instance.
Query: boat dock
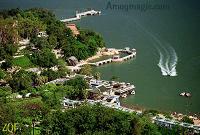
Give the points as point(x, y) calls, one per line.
point(82, 14)
point(131, 54)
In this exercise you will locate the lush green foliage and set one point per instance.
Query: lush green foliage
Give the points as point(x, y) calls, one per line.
point(7, 50)
point(40, 42)
point(187, 120)
point(23, 62)
point(4, 93)
point(86, 70)
point(2, 74)
point(176, 130)
point(96, 120)
point(79, 91)
point(52, 75)
point(22, 80)
point(86, 45)
point(8, 63)
point(44, 58)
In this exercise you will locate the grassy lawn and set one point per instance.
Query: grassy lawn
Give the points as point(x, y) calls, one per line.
point(19, 102)
point(23, 62)
point(100, 58)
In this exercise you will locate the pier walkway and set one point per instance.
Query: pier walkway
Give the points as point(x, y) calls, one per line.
point(81, 14)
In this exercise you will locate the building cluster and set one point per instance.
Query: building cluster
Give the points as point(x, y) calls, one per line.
point(107, 93)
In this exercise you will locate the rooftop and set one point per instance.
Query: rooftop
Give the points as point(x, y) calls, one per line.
point(73, 28)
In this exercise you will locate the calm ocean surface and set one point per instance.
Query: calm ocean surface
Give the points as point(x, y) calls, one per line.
point(170, 36)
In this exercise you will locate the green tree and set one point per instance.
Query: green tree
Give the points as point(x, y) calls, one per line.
point(2, 74)
point(44, 58)
point(9, 31)
point(187, 120)
point(86, 70)
point(22, 80)
point(8, 63)
point(11, 49)
point(96, 119)
point(2, 52)
point(4, 93)
point(45, 15)
point(40, 42)
point(30, 26)
point(52, 41)
point(80, 88)
point(7, 115)
point(52, 75)
point(57, 29)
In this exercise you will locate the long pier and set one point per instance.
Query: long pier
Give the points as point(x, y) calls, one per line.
point(81, 14)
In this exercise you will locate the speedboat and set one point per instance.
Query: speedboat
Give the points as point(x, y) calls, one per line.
point(182, 94)
point(188, 95)
point(185, 94)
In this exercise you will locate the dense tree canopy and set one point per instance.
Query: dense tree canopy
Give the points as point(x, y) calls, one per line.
point(44, 58)
point(22, 80)
point(80, 85)
point(86, 45)
point(97, 120)
point(50, 74)
point(40, 43)
point(2, 74)
point(7, 63)
point(7, 50)
point(86, 70)
point(187, 120)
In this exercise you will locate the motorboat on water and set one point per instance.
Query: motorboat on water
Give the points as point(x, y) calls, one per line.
point(182, 94)
point(188, 95)
point(185, 94)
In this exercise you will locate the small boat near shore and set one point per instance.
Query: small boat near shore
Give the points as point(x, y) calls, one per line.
point(185, 94)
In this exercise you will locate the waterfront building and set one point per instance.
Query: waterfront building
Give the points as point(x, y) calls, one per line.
point(73, 28)
point(73, 61)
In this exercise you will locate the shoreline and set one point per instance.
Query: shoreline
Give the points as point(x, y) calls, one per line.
point(174, 115)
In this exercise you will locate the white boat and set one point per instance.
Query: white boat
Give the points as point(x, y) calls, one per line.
point(182, 94)
point(133, 92)
point(188, 95)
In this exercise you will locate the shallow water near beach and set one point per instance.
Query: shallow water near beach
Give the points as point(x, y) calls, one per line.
point(170, 37)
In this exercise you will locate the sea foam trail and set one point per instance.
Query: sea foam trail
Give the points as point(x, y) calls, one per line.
point(173, 62)
point(168, 57)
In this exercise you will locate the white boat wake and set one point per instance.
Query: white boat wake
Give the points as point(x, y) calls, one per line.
point(168, 62)
point(168, 57)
